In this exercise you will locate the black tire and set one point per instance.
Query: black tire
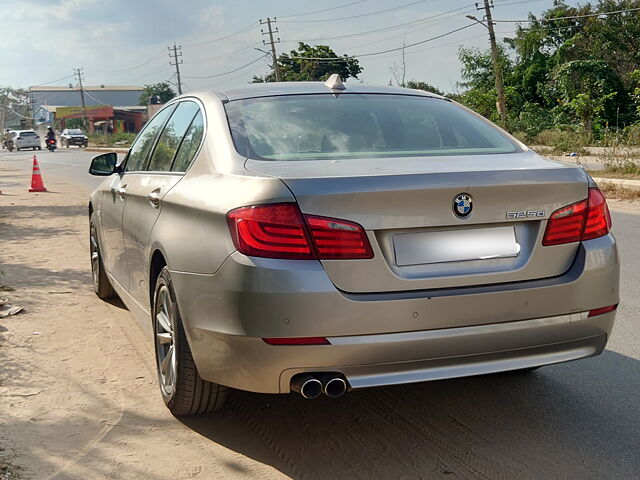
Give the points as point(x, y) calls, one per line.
point(101, 284)
point(186, 393)
point(39, 148)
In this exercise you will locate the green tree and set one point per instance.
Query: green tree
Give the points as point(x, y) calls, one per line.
point(162, 89)
point(427, 87)
point(585, 87)
point(303, 65)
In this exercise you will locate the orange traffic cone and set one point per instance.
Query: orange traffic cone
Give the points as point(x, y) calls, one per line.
point(37, 185)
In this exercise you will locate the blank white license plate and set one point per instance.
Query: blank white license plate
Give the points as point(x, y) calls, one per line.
point(455, 245)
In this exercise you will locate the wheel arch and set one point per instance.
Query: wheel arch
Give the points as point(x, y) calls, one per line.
point(156, 263)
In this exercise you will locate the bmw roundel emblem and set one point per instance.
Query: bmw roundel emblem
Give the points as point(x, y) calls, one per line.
point(462, 205)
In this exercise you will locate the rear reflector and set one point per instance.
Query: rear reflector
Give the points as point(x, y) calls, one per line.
point(602, 310)
point(583, 220)
point(280, 231)
point(297, 341)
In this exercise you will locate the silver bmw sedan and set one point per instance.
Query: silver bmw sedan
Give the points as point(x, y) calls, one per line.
point(321, 238)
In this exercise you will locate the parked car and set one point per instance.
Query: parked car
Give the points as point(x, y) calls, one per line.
point(73, 136)
point(27, 139)
point(313, 238)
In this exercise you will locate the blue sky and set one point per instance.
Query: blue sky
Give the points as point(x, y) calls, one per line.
point(124, 42)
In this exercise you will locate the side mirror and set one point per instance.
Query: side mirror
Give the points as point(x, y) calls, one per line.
point(104, 165)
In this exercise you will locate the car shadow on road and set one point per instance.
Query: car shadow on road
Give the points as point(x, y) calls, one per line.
point(575, 420)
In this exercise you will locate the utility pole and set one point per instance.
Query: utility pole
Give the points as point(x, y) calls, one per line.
point(500, 104)
point(272, 42)
point(79, 73)
point(177, 52)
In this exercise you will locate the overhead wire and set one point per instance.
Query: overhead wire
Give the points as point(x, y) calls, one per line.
point(369, 54)
point(399, 7)
point(383, 29)
point(571, 17)
point(226, 73)
point(224, 37)
point(323, 10)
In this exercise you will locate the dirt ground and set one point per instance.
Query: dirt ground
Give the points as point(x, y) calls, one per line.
point(79, 399)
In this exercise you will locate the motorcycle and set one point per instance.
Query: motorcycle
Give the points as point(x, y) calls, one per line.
point(51, 144)
point(9, 145)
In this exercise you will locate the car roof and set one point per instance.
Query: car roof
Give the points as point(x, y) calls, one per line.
point(272, 89)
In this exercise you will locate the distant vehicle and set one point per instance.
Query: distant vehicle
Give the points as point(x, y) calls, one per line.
point(51, 144)
point(73, 136)
point(320, 238)
point(27, 139)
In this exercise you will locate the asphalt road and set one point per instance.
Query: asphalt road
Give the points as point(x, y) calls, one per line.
point(70, 164)
point(574, 420)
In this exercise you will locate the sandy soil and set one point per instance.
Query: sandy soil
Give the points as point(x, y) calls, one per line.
point(78, 394)
point(79, 400)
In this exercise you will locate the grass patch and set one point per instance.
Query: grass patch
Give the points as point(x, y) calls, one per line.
point(612, 190)
point(614, 174)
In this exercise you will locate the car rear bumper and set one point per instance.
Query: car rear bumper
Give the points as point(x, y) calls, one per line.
point(389, 338)
point(75, 141)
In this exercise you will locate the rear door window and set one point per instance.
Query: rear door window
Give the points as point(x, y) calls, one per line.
point(171, 137)
point(143, 144)
point(190, 144)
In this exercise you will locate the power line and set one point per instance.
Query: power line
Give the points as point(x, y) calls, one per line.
point(219, 39)
point(324, 10)
point(399, 7)
point(53, 81)
point(348, 57)
point(572, 17)
point(234, 52)
point(226, 73)
point(130, 69)
point(384, 29)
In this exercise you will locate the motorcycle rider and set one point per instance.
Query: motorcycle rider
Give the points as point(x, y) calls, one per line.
point(51, 135)
point(7, 138)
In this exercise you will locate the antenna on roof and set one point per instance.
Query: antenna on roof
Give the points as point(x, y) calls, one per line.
point(334, 82)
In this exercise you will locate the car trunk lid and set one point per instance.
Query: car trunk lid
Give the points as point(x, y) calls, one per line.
point(406, 205)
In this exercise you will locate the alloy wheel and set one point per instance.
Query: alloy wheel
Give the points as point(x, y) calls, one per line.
point(95, 257)
point(165, 340)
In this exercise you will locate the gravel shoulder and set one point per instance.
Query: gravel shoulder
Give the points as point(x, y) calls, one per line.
point(79, 400)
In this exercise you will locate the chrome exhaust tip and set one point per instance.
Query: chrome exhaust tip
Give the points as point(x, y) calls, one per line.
point(306, 385)
point(333, 386)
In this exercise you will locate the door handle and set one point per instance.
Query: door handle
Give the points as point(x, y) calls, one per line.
point(121, 191)
point(154, 198)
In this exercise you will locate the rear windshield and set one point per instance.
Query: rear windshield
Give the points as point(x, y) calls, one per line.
point(27, 134)
point(327, 126)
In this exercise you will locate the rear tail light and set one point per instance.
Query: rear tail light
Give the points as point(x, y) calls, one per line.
point(335, 239)
point(583, 220)
point(281, 231)
point(602, 310)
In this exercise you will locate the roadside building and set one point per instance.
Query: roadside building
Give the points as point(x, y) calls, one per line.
point(109, 109)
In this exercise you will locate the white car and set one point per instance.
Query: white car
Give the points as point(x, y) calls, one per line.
point(27, 139)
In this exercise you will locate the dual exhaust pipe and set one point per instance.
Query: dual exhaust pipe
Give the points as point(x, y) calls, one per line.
point(312, 385)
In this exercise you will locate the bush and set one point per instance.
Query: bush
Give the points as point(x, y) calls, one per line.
point(117, 139)
point(562, 140)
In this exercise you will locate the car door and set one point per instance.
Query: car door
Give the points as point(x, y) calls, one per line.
point(115, 200)
point(145, 194)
